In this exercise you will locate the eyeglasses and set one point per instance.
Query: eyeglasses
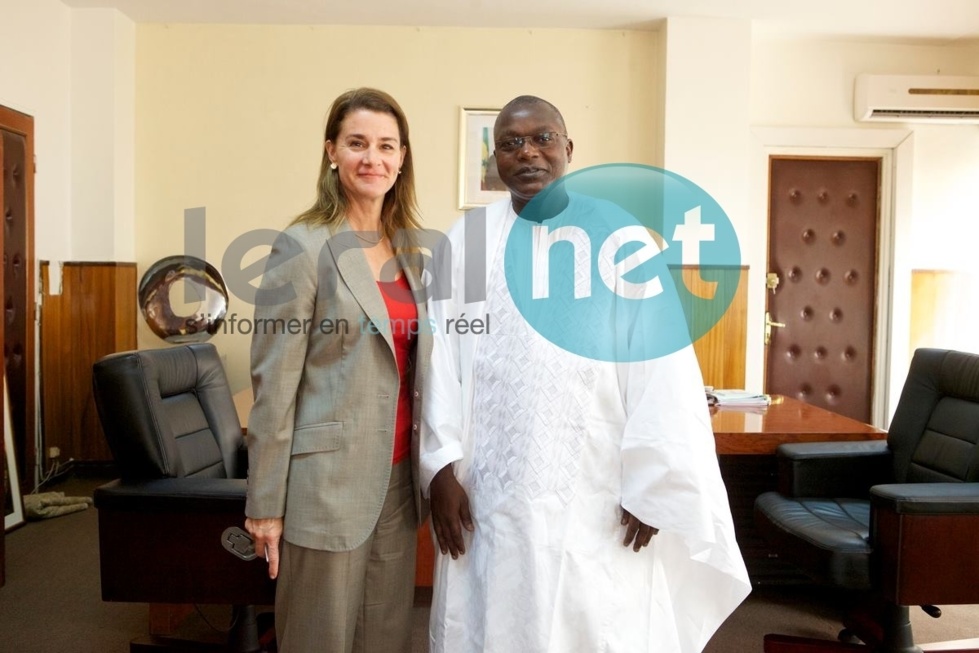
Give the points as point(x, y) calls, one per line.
point(542, 141)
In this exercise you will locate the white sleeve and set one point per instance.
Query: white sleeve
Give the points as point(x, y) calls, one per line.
point(442, 401)
point(670, 476)
point(671, 480)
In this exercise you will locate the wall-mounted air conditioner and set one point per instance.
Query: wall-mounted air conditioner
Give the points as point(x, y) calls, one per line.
point(907, 98)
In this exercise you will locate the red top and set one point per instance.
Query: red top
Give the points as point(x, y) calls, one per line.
point(403, 325)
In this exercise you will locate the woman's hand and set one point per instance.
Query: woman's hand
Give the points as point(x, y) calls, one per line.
point(450, 512)
point(637, 533)
point(266, 533)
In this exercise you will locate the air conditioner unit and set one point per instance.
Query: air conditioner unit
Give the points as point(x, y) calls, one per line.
point(908, 98)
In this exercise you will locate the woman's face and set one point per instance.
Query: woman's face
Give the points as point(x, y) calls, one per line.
point(368, 153)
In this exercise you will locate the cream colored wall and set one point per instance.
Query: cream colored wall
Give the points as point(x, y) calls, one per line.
point(946, 199)
point(810, 82)
point(35, 71)
point(947, 231)
point(71, 70)
point(231, 117)
point(102, 133)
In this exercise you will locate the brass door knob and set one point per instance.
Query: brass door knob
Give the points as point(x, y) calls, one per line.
point(772, 281)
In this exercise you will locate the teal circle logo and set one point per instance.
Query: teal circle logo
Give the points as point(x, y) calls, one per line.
point(622, 262)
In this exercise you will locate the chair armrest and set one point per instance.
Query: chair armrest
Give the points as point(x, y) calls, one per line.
point(927, 498)
point(924, 539)
point(832, 469)
point(185, 495)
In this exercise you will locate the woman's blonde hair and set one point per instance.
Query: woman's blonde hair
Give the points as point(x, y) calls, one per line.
point(399, 213)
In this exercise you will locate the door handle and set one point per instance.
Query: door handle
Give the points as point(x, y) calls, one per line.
point(769, 323)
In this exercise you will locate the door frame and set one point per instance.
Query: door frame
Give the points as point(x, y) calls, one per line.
point(17, 122)
point(892, 327)
point(881, 287)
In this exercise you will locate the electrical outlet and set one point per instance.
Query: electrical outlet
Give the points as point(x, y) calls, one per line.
point(54, 452)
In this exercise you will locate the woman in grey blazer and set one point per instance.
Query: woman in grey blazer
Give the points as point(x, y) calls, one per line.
point(339, 352)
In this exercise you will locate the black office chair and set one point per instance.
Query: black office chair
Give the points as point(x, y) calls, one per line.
point(895, 521)
point(170, 421)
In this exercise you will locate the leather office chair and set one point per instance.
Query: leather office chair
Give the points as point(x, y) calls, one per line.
point(170, 421)
point(896, 521)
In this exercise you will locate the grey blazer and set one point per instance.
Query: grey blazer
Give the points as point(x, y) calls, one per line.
point(325, 378)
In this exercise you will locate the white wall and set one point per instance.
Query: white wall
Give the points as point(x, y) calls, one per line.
point(72, 70)
point(706, 124)
point(706, 115)
point(103, 135)
point(946, 199)
point(810, 82)
point(946, 231)
point(35, 78)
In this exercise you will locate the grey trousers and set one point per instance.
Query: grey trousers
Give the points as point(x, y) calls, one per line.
point(357, 601)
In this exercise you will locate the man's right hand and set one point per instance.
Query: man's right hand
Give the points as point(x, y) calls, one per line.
point(450, 512)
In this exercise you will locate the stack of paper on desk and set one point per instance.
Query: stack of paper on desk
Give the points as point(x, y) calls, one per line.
point(738, 398)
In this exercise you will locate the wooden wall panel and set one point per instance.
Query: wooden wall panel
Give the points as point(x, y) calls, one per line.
point(94, 315)
point(722, 350)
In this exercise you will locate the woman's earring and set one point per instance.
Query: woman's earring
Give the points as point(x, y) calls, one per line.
point(399, 171)
point(333, 165)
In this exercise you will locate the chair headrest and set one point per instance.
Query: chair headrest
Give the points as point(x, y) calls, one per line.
point(150, 400)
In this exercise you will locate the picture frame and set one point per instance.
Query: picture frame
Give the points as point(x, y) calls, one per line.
point(479, 182)
point(13, 507)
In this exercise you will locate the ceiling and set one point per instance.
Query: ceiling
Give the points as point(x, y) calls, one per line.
point(932, 21)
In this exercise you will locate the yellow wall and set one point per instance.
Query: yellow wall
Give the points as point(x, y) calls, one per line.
point(231, 117)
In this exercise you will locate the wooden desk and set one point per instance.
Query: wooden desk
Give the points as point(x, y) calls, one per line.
point(760, 431)
point(740, 431)
point(746, 442)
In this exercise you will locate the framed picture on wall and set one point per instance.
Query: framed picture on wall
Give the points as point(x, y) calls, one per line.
point(13, 508)
point(479, 182)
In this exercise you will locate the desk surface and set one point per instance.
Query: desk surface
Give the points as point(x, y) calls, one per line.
point(760, 431)
point(741, 431)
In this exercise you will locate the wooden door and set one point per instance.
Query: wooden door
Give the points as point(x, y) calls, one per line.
point(17, 133)
point(824, 218)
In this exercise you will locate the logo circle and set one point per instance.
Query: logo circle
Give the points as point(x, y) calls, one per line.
point(622, 262)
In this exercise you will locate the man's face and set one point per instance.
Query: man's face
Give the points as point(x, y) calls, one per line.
point(528, 169)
